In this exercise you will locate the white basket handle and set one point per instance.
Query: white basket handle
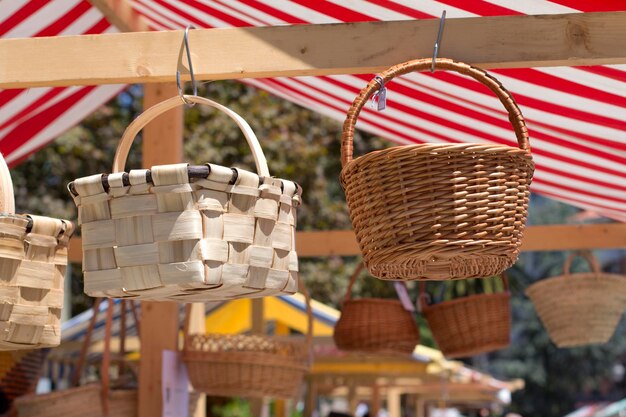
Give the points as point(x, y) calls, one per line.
point(147, 116)
point(7, 198)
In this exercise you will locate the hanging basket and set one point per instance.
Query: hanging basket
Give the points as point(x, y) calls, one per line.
point(438, 211)
point(33, 259)
point(187, 233)
point(248, 365)
point(580, 309)
point(470, 325)
point(375, 325)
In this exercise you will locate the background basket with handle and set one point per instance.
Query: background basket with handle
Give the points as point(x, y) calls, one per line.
point(33, 259)
point(375, 324)
point(95, 400)
point(469, 325)
point(187, 233)
point(438, 211)
point(248, 365)
point(582, 308)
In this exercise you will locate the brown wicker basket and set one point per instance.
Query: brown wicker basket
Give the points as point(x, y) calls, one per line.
point(248, 365)
point(471, 325)
point(375, 324)
point(33, 259)
point(187, 233)
point(580, 309)
point(438, 211)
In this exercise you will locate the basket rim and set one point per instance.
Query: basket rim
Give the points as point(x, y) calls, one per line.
point(428, 148)
point(581, 276)
point(469, 298)
point(372, 300)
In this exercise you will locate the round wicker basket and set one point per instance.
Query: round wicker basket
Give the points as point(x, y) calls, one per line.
point(580, 309)
point(248, 365)
point(438, 211)
point(375, 325)
point(471, 325)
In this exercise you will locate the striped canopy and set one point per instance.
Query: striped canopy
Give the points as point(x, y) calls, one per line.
point(576, 115)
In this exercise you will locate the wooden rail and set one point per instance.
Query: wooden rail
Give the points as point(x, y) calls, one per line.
point(536, 238)
point(279, 51)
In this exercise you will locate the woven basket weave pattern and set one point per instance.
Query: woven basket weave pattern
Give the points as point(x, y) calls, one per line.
point(438, 211)
point(580, 309)
point(229, 235)
point(471, 325)
point(375, 324)
point(248, 365)
point(78, 402)
point(32, 270)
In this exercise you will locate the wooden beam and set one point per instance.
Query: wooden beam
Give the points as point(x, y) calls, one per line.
point(287, 51)
point(536, 238)
point(162, 144)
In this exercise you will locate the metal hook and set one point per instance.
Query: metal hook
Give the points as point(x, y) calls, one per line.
point(194, 86)
point(438, 41)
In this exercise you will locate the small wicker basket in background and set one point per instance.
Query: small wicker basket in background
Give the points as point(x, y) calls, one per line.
point(582, 308)
point(187, 233)
point(375, 324)
point(248, 365)
point(438, 211)
point(470, 325)
point(33, 259)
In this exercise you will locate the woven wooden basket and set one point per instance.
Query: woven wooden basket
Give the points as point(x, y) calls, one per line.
point(580, 309)
point(184, 233)
point(375, 324)
point(33, 259)
point(96, 400)
point(471, 325)
point(438, 211)
point(248, 365)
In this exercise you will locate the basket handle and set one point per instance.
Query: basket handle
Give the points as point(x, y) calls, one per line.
point(355, 274)
point(588, 256)
point(106, 354)
point(7, 198)
point(424, 298)
point(121, 154)
point(515, 115)
point(309, 314)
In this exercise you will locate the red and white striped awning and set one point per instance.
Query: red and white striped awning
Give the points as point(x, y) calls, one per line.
point(576, 116)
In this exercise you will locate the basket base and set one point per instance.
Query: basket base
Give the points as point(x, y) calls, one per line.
point(438, 268)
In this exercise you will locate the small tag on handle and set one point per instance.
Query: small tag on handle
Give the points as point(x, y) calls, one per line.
point(403, 295)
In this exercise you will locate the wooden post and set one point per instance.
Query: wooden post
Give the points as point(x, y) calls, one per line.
point(162, 144)
point(393, 402)
point(352, 398)
point(197, 325)
point(280, 406)
point(257, 321)
point(420, 406)
point(311, 396)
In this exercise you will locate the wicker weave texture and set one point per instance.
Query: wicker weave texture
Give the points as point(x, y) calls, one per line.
point(229, 235)
point(580, 309)
point(19, 372)
point(248, 365)
point(471, 325)
point(78, 402)
point(438, 211)
point(33, 259)
point(375, 325)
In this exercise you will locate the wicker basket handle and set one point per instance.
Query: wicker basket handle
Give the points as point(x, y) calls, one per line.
point(515, 115)
point(7, 198)
point(593, 262)
point(150, 114)
point(309, 314)
point(424, 298)
point(355, 274)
